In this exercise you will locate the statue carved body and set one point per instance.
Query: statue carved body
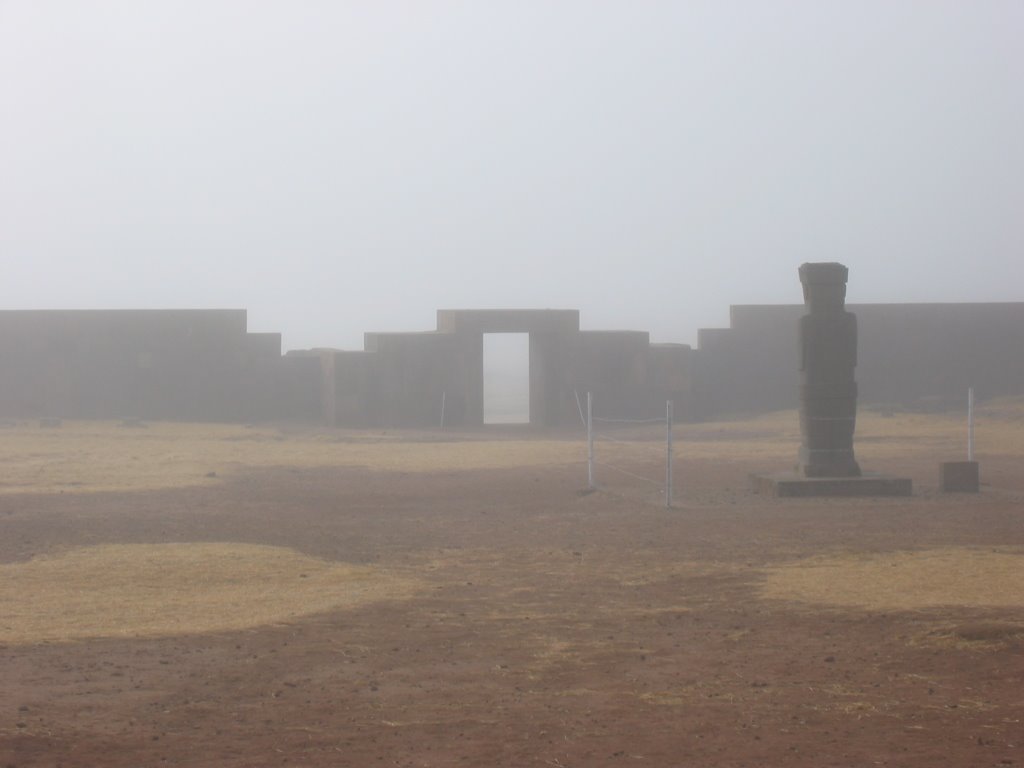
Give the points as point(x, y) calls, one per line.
point(828, 391)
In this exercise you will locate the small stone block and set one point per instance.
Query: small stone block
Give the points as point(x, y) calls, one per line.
point(793, 484)
point(959, 477)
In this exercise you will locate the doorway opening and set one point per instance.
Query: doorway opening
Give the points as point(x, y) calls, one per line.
point(506, 378)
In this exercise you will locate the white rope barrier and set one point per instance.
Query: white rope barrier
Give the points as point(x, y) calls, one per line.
point(658, 420)
point(592, 435)
point(611, 439)
point(627, 472)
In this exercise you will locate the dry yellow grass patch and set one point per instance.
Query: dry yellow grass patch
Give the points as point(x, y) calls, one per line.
point(96, 456)
point(145, 590)
point(999, 430)
point(953, 576)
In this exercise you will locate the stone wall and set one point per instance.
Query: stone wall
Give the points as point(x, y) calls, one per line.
point(154, 364)
point(402, 379)
point(205, 365)
point(917, 355)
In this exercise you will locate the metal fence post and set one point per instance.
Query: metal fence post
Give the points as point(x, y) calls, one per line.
point(668, 454)
point(970, 423)
point(590, 441)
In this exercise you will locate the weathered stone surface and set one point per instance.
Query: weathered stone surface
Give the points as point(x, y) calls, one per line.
point(795, 484)
point(828, 391)
point(828, 399)
point(959, 477)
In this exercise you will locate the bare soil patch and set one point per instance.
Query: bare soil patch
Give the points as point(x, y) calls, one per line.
point(538, 626)
point(85, 456)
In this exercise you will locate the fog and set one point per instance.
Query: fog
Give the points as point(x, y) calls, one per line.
point(342, 167)
point(506, 382)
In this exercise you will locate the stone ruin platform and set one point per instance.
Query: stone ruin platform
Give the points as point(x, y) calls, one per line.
point(793, 484)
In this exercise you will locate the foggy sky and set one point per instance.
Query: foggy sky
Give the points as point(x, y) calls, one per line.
point(340, 167)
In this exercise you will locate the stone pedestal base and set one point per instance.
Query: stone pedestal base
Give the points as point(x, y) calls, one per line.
point(959, 477)
point(795, 484)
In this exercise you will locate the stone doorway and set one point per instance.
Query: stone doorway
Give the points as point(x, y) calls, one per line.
point(506, 378)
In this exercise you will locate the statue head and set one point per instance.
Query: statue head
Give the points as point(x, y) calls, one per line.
point(824, 285)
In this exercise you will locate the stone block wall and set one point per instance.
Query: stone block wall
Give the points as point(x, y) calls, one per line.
point(205, 365)
point(614, 367)
point(670, 376)
point(908, 354)
point(414, 372)
point(402, 379)
point(153, 364)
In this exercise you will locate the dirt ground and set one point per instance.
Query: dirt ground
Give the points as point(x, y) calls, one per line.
point(549, 627)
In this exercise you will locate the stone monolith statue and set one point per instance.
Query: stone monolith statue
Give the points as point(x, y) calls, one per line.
point(828, 392)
